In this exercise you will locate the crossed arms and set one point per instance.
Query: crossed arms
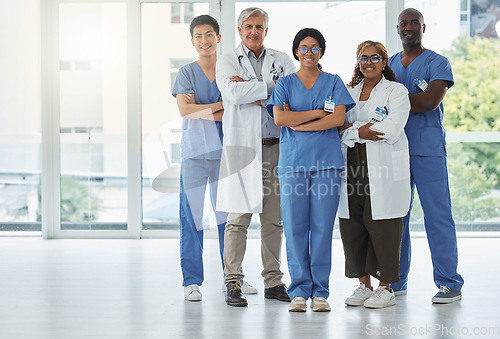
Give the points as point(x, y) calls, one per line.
point(190, 110)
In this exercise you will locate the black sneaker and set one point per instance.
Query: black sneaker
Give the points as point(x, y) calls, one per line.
point(446, 295)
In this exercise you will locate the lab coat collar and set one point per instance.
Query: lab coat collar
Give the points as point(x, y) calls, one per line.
point(267, 63)
point(383, 83)
point(247, 51)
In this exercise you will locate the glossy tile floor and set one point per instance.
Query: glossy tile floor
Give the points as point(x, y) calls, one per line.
point(132, 289)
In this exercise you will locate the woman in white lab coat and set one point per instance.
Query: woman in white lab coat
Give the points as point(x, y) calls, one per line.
point(376, 189)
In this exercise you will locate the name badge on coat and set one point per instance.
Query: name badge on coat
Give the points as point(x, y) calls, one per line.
point(379, 114)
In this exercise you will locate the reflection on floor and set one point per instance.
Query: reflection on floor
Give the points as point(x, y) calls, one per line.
point(132, 289)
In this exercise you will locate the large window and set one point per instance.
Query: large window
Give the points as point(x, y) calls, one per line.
point(93, 115)
point(344, 25)
point(106, 152)
point(471, 114)
point(20, 110)
point(165, 48)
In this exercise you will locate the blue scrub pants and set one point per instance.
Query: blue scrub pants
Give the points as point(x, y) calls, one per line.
point(309, 202)
point(195, 173)
point(430, 176)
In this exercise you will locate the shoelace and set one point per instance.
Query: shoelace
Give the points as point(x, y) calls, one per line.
point(235, 286)
point(378, 292)
point(444, 289)
point(360, 290)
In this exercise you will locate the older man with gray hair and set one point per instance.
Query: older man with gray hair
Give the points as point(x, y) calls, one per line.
point(248, 182)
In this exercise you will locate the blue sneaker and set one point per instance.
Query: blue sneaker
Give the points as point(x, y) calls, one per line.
point(446, 295)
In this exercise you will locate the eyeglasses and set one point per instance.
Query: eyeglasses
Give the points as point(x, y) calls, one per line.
point(314, 50)
point(373, 58)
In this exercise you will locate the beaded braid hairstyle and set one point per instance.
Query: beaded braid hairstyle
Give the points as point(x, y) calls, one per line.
point(387, 72)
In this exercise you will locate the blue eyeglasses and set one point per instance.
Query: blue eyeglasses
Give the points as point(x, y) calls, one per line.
point(314, 50)
point(373, 58)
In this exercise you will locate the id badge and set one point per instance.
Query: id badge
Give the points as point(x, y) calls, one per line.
point(421, 83)
point(329, 105)
point(379, 114)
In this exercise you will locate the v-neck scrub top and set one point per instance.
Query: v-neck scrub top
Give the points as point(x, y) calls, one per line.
point(309, 151)
point(201, 139)
point(425, 131)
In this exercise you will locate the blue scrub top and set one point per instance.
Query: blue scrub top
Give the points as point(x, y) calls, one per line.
point(309, 151)
point(425, 131)
point(201, 139)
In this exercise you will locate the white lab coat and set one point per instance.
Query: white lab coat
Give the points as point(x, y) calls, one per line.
point(388, 160)
point(240, 176)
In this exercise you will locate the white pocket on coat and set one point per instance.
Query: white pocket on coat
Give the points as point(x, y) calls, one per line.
point(401, 164)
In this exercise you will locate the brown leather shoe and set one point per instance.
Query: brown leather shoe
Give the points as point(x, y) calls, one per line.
point(277, 292)
point(234, 297)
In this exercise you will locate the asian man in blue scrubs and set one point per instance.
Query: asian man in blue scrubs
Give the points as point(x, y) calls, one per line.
point(427, 76)
point(200, 105)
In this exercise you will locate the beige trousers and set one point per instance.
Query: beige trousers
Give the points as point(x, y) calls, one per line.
point(235, 235)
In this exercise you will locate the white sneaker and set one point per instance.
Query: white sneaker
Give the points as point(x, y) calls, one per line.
point(319, 304)
point(246, 288)
point(298, 304)
point(192, 293)
point(381, 298)
point(359, 296)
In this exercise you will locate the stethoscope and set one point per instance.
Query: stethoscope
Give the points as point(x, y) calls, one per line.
point(245, 70)
point(274, 71)
point(276, 74)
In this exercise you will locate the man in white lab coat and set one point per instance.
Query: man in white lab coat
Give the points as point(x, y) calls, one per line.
point(248, 182)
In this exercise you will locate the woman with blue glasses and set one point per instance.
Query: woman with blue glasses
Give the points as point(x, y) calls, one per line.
point(376, 190)
point(309, 105)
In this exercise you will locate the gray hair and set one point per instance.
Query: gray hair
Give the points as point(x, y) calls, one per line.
point(252, 11)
